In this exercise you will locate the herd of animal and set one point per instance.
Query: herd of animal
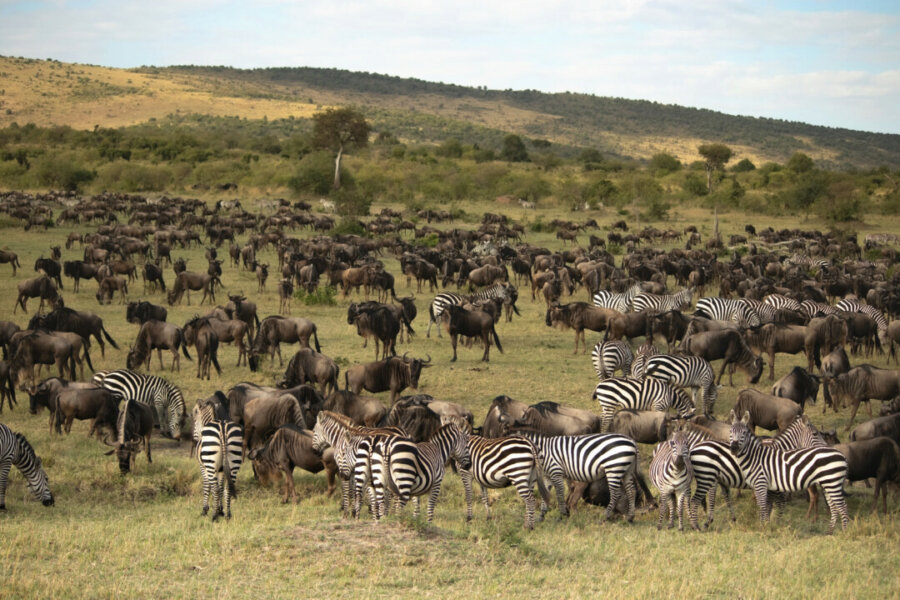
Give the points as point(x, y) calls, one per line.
point(783, 292)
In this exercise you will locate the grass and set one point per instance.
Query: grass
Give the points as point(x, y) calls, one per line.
point(142, 535)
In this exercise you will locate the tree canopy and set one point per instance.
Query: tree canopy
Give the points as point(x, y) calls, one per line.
point(338, 130)
point(716, 156)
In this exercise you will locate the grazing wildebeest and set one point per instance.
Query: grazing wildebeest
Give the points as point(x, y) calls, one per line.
point(289, 447)
point(188, 281)
point(799, 386)
point(775, 337)
point(728, 345)
point(309, 366)
point(198, 333)
point(228, 331)
point(863, 383)
point(471, 323)
point(41, 347)
point(51, 268)
point(133, 428)
point(767, 411)
point(364, 411)
point(161, 336)
point(85, 324)
point(580, 316)
point(109, 286)
point(78, 270)
point(275, 330)
point(394, 374)
point(12, 258)
point(99, 405)
point(42, 287)
point(378, 321)
point(153, 277)
point(141, 312)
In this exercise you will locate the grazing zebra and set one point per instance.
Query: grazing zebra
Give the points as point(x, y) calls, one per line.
point(671, 473)
point(444, 299)
point(782, 302)
point(661, 303)
point(643, 354)
point(686, 372)
point(151, 390)
point(220, 454)
point(15, 450)
point(610, 356)
point(586, 458)
point(769, 468)
point(650, 394)
point(854, 305)
point(411, 470)
point(499, 463)
point(620, 302)
point(727, 309)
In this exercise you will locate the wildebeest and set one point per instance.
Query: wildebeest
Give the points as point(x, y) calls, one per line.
point(309, 366)
point(501, 405)
point(862, 384)
point(85, 324)
point(12, 258)
point(275, 330)
point(41, 347)
point(264, 414)
point(823, 335)
point(44, 395)
point(486, 275)
point(799, 386)
point(379, 321)
point(188, 281)
point(51, 268)
point(289, 447)
point(160, 336)
point(579, 316)
point(7, 386)
point(877, 458)
point(413, 417)
point(308, 399)
point(238, 307)
point(728, 345)
point(78, 270)
point(643, 426)
point(364, 411)
point(551, 418)
point(40, 287)
point(153, 276)
point(262, 273)
point(133, 428)
point(197, 332)
point(228, 331)
point(108, 288)
point(834, 363)
point(285, 293)
point(99, 405)
point(888, 426)
point(141, 312)
point(767, 411)
point(476, 324)
point(394, 374)
point(775, 337)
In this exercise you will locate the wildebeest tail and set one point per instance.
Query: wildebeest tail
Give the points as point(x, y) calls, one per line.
point(87, 357)
point(213, 351)
point(12, 387)
point(817, 354)
point(334, 380)
point(316, 340)
point(109, 337)
point(184, 349)
point(72, 372)
point(346, 381)
point(496, 339)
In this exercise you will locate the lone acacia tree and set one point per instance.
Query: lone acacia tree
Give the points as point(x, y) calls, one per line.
point(337, 130)
point(716, 156)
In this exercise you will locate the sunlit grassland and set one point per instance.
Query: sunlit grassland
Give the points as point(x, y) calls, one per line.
point(143, 536)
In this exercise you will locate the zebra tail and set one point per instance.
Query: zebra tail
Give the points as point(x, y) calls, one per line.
point(109, 337)
point(496, 339)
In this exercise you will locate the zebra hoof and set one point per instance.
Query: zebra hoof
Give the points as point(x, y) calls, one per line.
point(204, 512)
point(2, 507)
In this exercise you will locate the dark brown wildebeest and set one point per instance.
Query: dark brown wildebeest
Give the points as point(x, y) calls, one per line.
point(364, 411)
point(81, 348)
point(309, 366)
point(98, 404)
point(275, 330)
point(285, 293)
point(834, 363)
point(799, 386)
point(85, 324)
point(580, 316)
point(766, 411)
point(133, 428)
point(394, 374)
point(40, 347)
point(378, 321)
point(141, 312)
point(228, 331)
point(109, 286)
point(672, 325)
point(629, 325)
point(289, 447)
point(474, 324)
point(40, 287)
point(893, 334)
point(12, 258)
point(240, 394)
point(824, 334)
point(238, 307)
point(78, 270)
point(862, 384)
point(44, 395)
point(409, 312)
point(7, 330)
point(501, 405)
point(877, 458)
point(188, 281)
point(51, 268)
point(643, 426)
point(262, 273)
point(160, 336)
point(774, 337)
point(153, 277)
point(266, 413)
point(487, 275)
point(7, 386)
point(199, 334)
point(728, 345)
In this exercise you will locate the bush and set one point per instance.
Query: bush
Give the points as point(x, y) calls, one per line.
point(133, 177)
point(349, 226)
point(315, 174)
point(429, 241)
point(351, 202)
point(663, 164)
point(323, 295)
point(62, 173)
point(694, 185)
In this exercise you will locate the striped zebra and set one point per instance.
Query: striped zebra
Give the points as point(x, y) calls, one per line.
point(811, 308)
point(622, 393)
point(767, 313)
point(155, 391)
point(411, 470)
point(220, 453)
point(806, 262)
point(692, 372)
point(15, 450)
point(782, 302)
point(499, 463)
point(727, 309)
point(444, 299)
point(610, 356)
point(769, 468)
point(854, 305)
point(671, 473)
point(586, 458)
point(620, 302)
point(655, 303)
point(643, 354)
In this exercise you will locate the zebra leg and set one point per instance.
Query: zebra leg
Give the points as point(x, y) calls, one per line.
point(466, 477)
point(761, 492)
point(486, 500)
point(663, 509)
point(432, 500)
point(615, 492)
point(207, 485)
point(630, 493)
point(556, 479)
point(4, 479)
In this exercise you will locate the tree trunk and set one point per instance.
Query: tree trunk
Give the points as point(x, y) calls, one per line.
point(337, 168)
point(709, 179)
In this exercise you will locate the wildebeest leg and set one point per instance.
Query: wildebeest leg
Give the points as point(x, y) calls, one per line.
point(453, 339)
point(853, 413)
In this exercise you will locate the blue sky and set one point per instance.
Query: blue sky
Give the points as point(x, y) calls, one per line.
point(818, 61)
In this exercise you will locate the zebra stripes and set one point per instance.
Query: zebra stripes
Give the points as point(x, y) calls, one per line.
point(499, 463)
point(152, 390)
point(643, 354)
point(854, 305)
point(811, 308)
point(766, 312)
point(610, 356)
point(650, 394)
point(782, 302)
point(15, 450)
point(806, 262)
point(661, 303)
point(220, 454)
point(445, 299)
point(620, 302)
point(686, 372)
point(671, 473)
point(727, 309)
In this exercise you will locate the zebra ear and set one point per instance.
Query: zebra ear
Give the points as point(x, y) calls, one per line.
point(746, 418)
point(732, 417)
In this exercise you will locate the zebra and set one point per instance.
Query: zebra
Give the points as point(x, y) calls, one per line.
point(806, 262)
point(499, 463)
point(444, 299)
point(661, 303)
point(811, 308)
point(687, 372)
point(586, 458)
point(767, 313)
point(411, 470)
point(639, 364)
point(727, 309)
point(15, 450)
point(609, 356)
point(782, 302)
point(650, 394)
point(220, 453)
point(768, 468)
point(620, 302)
point(205, 412)
point(671, 473)
point(854, 305)
point(151, 390)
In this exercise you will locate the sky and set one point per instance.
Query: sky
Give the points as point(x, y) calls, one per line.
point(823, 62)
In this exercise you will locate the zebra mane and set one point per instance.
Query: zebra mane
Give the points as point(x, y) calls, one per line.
point(24, 445)
point(336, 417)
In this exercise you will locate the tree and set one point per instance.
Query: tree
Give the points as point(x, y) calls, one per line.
point(716, 156)
point(800, 163)
point(663, 163)
point(514, 149)
point(337, 130)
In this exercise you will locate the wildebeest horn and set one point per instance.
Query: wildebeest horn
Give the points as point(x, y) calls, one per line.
point(427, 361)
point(106, 441)
point(404, 356)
